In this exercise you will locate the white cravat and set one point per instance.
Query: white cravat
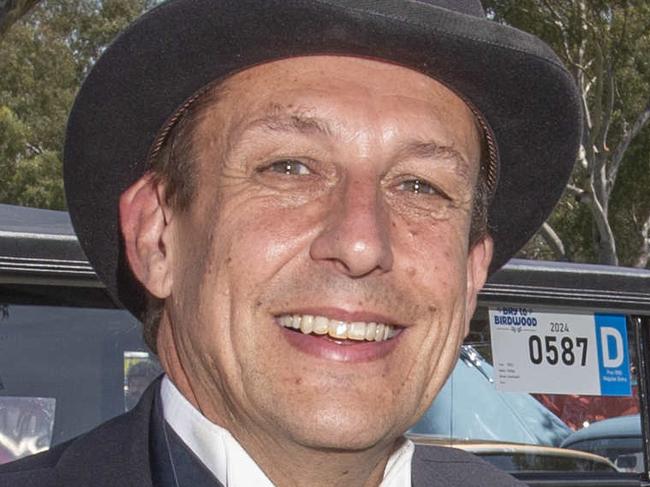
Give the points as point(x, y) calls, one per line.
point(229, 462)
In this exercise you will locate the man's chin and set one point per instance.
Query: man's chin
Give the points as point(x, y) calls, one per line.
point(331, 432)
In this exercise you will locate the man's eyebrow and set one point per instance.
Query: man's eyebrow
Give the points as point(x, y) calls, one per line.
point(432, 150)
point(296, 121)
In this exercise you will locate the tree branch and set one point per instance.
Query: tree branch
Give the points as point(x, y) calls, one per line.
point(606, 244)
point(34, 149)
point(575, 190)
point(588, 123)
point(628, 136)
point(580, 194)
point(608, 108)
point(597, 120)
point(553, 240)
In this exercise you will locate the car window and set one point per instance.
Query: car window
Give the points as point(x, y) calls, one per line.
point(63, 371)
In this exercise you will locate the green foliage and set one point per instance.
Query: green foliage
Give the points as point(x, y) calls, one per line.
point(43, 60)
point(13, 134)
point(39, 182)
point(630, 205)
point(605, 45)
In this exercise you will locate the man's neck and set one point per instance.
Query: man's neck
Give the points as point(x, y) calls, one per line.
point(296, 466)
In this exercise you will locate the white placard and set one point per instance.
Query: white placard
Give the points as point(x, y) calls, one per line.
point(559, 353)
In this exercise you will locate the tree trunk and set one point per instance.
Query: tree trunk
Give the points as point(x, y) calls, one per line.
point(554, 241)
point(604, 240)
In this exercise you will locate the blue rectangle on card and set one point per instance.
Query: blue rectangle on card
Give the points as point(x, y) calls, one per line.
point(613, 355)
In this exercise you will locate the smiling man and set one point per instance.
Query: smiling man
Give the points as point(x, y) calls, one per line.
point(329, 280)
point(310, 197)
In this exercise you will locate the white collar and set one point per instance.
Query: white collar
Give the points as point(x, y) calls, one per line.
point(222, 454)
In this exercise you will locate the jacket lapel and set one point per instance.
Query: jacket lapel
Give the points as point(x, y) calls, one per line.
point(173, 464)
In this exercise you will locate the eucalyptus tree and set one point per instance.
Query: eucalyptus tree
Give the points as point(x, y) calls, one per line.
point(44, 57)
point(605, 214)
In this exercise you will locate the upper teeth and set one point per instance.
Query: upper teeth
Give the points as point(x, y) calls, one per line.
point(320, 325)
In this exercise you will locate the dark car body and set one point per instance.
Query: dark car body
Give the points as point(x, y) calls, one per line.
point(619, 439)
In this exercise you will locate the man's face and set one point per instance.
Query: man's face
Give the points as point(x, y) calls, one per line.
point(331, 191)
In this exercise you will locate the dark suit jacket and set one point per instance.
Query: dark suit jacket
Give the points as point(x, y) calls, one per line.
point(120, 453)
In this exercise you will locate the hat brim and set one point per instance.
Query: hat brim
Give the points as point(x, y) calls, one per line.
point(512, 78)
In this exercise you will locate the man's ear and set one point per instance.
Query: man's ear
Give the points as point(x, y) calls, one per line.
point(144, 220)
point(478, 263)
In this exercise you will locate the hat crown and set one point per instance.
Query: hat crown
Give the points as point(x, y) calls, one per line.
point(467, 7)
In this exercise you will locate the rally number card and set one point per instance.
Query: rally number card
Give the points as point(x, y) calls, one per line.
point(560, 353)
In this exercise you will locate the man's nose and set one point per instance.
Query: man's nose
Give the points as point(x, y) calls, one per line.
point(356, 237)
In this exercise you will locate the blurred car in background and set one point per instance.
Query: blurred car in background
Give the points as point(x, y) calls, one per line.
point(470, 407)
point(618, 439)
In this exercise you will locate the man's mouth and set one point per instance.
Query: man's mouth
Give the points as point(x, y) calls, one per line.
point(339, 330)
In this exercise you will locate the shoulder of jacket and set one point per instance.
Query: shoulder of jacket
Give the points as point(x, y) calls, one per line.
point(454, 467)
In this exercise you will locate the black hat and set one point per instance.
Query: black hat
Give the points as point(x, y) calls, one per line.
point(513, 81)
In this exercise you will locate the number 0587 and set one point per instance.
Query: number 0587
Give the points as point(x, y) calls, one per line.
point(553, 351)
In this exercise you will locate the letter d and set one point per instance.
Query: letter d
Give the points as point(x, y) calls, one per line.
point(609, 361)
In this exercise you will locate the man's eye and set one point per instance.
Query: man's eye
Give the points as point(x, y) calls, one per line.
point(289, 167)
point(418, 186)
